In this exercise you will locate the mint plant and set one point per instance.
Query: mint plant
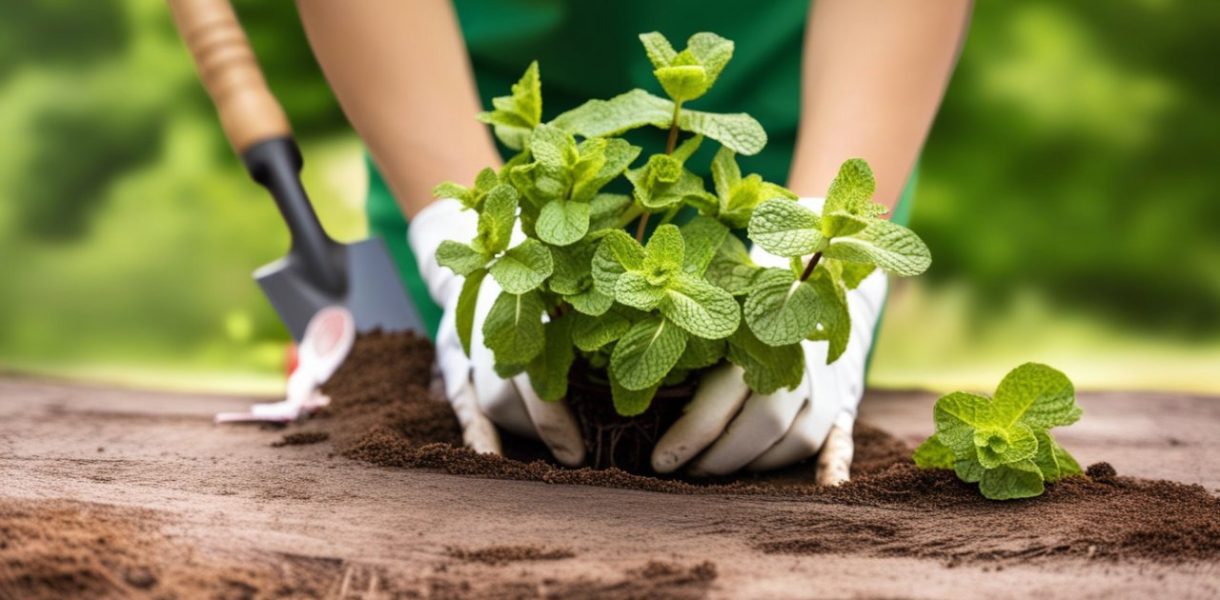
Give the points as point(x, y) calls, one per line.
point(648, 313)
point(1004, 443)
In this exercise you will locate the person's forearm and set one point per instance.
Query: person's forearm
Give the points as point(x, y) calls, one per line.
point(873, 74)
point(402, 76)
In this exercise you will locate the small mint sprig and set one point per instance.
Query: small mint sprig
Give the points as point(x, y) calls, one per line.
point(844, 244)
point(1004, 443)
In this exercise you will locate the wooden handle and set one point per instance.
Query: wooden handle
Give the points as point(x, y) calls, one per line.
point(248, 111)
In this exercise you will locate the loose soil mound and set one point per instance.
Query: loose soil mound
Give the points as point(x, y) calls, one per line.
point(385, 410)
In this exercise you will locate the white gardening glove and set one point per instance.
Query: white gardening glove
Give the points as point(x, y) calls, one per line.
point(480, 397)
point(734, 428)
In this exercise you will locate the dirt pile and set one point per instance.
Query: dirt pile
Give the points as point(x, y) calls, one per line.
point(385, 410)
point(65, 549)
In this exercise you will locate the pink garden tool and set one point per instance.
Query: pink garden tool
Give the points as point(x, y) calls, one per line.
point(328, 339)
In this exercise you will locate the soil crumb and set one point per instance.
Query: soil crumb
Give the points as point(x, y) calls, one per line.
point(385, 409)
point(1101, 471)
point(64, 549)
point(301, 438)
point(501, 555)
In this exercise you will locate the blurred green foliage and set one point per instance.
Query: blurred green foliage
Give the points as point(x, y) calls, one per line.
point(1074, 157)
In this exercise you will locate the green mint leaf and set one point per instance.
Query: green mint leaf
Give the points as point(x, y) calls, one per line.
point(648, 351)
point(496, 220)
point(687, 149)
point(969, 469)
point(1011, 481)
point(700, 308)
point(634, 289)
point(731, 268)
point(995, 446)
point(606, 210)
point(562, 222)
point(702, 237)
point(617, 155)
point(767, 368)
point(459, 257)
point(553, 147)
point(834, 320)
point(515, 115)
point(590, 302)
point(1054, 462)
point(712, 51)
point(852, 189)
point(1036, 395)
point(548, 370)
point(449, 189)
point(780, 310)
point(893, 248)
point(659, 50)
point(574, 281)
point(785, 228)
point(592, 333)
point(523, 267)
point(853, 274)
point(737, 206)
point(616, 253)
point(471, 198)
point(591, 157)
point(513, 328)
point(467, 300)
point(838, 224)
point(700, 353)
point(573, 268)
point(630, 403)
point(688, 188)
point(932, 454)
point(738, 131)
point(605, 118)
point(663, 255)
point(682, 83)
point(957, 415)
point(602, 118)
point(725, 172)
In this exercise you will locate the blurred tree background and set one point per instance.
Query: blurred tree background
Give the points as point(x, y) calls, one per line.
point(1068, 193)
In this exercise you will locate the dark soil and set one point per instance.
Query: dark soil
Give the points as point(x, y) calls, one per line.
point(499, 555)
point(612, 440)
point(384, 410)
point(301, 438)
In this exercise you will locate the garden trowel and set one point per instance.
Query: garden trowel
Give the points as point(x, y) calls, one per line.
point(318, 271)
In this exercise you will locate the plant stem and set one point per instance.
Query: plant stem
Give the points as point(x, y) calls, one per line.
point(673, 130)
point(670, 144)
point(639, 229)
point(813, 262)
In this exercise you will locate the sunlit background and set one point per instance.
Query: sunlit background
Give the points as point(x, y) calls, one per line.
point(1069, 193)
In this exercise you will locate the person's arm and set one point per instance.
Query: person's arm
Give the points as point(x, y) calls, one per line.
point(401, 73)
point(873, 75)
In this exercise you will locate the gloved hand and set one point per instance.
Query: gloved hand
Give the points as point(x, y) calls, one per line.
point(478, 395)
point(727, 427)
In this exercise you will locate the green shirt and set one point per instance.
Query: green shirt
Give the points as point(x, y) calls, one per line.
point(591, 49)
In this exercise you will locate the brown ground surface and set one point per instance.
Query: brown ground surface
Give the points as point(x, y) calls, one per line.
point(128, 493)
